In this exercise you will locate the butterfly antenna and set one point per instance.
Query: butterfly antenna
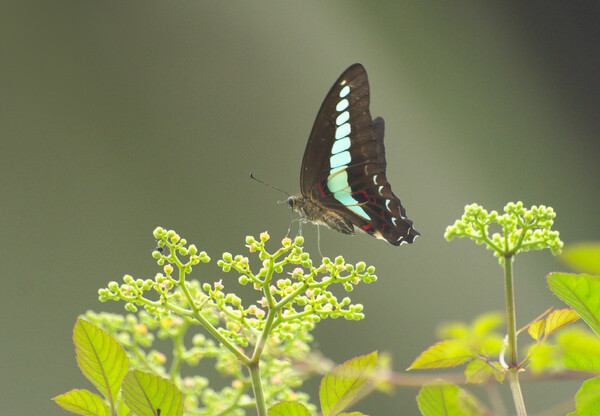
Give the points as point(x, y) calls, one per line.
point(269, 185)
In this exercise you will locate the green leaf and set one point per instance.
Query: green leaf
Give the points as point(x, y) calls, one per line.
point(587, 399)
point(479, 371)
point(443, 399)
point(288, 409)
point(580, 350)
point(559, 319)
point(583, 257)
point(448, 353)
point(146, 393)
point(581, 292)
point(344, 384)
point(122, 409)
point(101, 359)
point(543, 357)
point(83, 402)
point(536, 330)
point(482, 327)
point(485, 324)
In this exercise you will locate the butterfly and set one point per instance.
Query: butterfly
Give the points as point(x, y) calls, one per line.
point(342, 180)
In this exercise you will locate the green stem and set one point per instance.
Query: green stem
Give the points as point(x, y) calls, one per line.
point(259, 394)
point(178, 349)
point(254, 364)
point(513, 377)
point(510, 312)
point(515, 388)
point(206, 324)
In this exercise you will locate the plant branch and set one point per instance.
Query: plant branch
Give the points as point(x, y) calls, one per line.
point(512, 371)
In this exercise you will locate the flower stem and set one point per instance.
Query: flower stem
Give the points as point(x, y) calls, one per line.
point(513, 365)
point(259, 394)
point(515, 389)
point(510, 312)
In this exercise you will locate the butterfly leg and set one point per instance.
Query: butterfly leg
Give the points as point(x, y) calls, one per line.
point(319, 241)
point(291, 223)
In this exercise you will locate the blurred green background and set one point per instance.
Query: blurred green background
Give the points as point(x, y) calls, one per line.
point(118, 117)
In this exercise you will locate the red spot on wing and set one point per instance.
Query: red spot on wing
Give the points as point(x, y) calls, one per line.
point(383, 227)
point(321, 189)
point(367, 227)
point(363, 192)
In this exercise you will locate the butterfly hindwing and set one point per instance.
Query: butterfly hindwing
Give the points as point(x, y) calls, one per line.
point(344, 167)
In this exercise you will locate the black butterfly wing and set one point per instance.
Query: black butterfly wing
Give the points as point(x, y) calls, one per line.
point(381, 213)
point(315, 164)
point(343, 168)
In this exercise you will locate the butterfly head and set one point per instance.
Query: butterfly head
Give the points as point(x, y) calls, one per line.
point(295, 202)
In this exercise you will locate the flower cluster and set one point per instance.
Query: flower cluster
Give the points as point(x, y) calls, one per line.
point(294, 296)
point(520, 229)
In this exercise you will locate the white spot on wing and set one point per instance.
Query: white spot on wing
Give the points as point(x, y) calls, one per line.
point(340, 145)
point(342, 118)
point(359, 211)
point(334, 170)
point(342, 131)
point(378, 234)
point(345, 91)
point(342, 105)
point(340, 159)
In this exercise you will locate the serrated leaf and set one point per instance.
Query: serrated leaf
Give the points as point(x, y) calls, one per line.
point(83, 402)
point(101, 359)
point(559, 319)
point(536, 330)
point(454, 329)
point(288, 409)
point(581, 292)
point(486, 323)
point(448, 353)
point(342, 385)
point(146, 393)
point(444, 399)
point(478, 371)
point(583, 257)
point(580, 350)
point(481, 327)
point(543, 357)
point(499, 374)
point(587, 399)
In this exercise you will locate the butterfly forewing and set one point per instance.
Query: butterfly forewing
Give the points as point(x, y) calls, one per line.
point(315, 163)
point(343, 169)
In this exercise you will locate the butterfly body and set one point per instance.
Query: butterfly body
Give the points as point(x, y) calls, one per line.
point(343, 179)
point(312, 212)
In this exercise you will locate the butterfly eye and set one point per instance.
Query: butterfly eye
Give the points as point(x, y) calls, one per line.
point(290, 201)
